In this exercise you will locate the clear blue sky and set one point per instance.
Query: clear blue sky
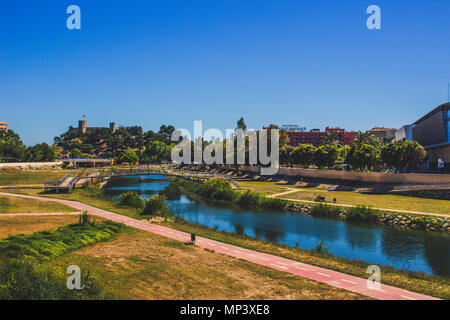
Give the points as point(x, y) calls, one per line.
point(312, 63)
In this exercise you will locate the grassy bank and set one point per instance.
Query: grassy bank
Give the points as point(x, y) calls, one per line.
point(413, 281)
point(307, 192)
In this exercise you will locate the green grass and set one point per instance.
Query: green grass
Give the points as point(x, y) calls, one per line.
point(362, 214)
point(47, 244)
point(22, 205)
point(31, 177)
point(409, 280)
point(84, 196)
point(27, 273)
point(324, 210)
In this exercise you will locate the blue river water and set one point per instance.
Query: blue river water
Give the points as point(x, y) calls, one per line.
point(412, 250)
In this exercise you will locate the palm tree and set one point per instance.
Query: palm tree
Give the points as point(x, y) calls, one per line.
point(331, 138)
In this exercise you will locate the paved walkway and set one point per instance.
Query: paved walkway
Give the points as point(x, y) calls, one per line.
point(293, 190)
point(330, 277)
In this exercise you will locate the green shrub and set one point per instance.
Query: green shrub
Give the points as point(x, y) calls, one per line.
point(217, 189)
point(131, 199)
point(94, 191)
point(272, 203)
point(156, 206)
point(249, 198)
point(361, 214)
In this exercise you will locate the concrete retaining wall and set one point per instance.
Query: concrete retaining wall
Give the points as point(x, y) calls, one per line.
point(28, 165)
point(363, 177)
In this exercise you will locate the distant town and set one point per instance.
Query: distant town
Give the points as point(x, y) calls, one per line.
point(432, 131)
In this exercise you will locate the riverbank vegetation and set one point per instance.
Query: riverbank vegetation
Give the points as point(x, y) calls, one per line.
point(218, 189)
point(24, 269)
point(156, 206)
point(131, 199)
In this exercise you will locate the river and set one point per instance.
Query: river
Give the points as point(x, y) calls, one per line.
point(412, 250)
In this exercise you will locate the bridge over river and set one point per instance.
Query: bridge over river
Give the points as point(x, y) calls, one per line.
point(66, 183)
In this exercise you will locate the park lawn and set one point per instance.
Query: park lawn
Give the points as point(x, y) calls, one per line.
point(385, 201)
point(31, 176)
point(141, 265)
point(413, 281)
point(81, 195)
point(264, 187)
point(21, 205)
point(11, 225)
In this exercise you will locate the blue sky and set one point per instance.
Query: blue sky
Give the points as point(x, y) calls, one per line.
point(312, 63)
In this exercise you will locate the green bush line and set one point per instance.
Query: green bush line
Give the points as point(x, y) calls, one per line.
point(354, 214)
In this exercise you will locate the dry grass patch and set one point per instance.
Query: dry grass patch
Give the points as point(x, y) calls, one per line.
point(11, 225)
point(140, 265)
point(22, 205)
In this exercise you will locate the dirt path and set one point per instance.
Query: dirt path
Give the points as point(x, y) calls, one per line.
point(330, 277)
point(293, 190)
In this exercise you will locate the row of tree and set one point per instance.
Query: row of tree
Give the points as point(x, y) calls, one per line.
point(132, 144)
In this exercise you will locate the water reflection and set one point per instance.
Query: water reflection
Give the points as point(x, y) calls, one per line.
point(402, 249)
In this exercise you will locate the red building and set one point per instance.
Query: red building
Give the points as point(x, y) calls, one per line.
point(315, 136)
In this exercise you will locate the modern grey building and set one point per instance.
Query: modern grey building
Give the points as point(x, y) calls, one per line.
point(432, 131)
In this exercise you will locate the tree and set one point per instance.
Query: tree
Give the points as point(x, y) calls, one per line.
point(11, 146)
point(362, 156)
point(403, 154)
point(240, 124)
point(130, 157)
point(326, 156)
point(39, 152)
point(158, 151)
point(367, 138)
point(76, 153)
point(331, 138)
point(285, 155)
point(303, 155)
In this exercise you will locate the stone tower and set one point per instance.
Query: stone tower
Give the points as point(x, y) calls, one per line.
point(112, 126)
point(82, 125)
